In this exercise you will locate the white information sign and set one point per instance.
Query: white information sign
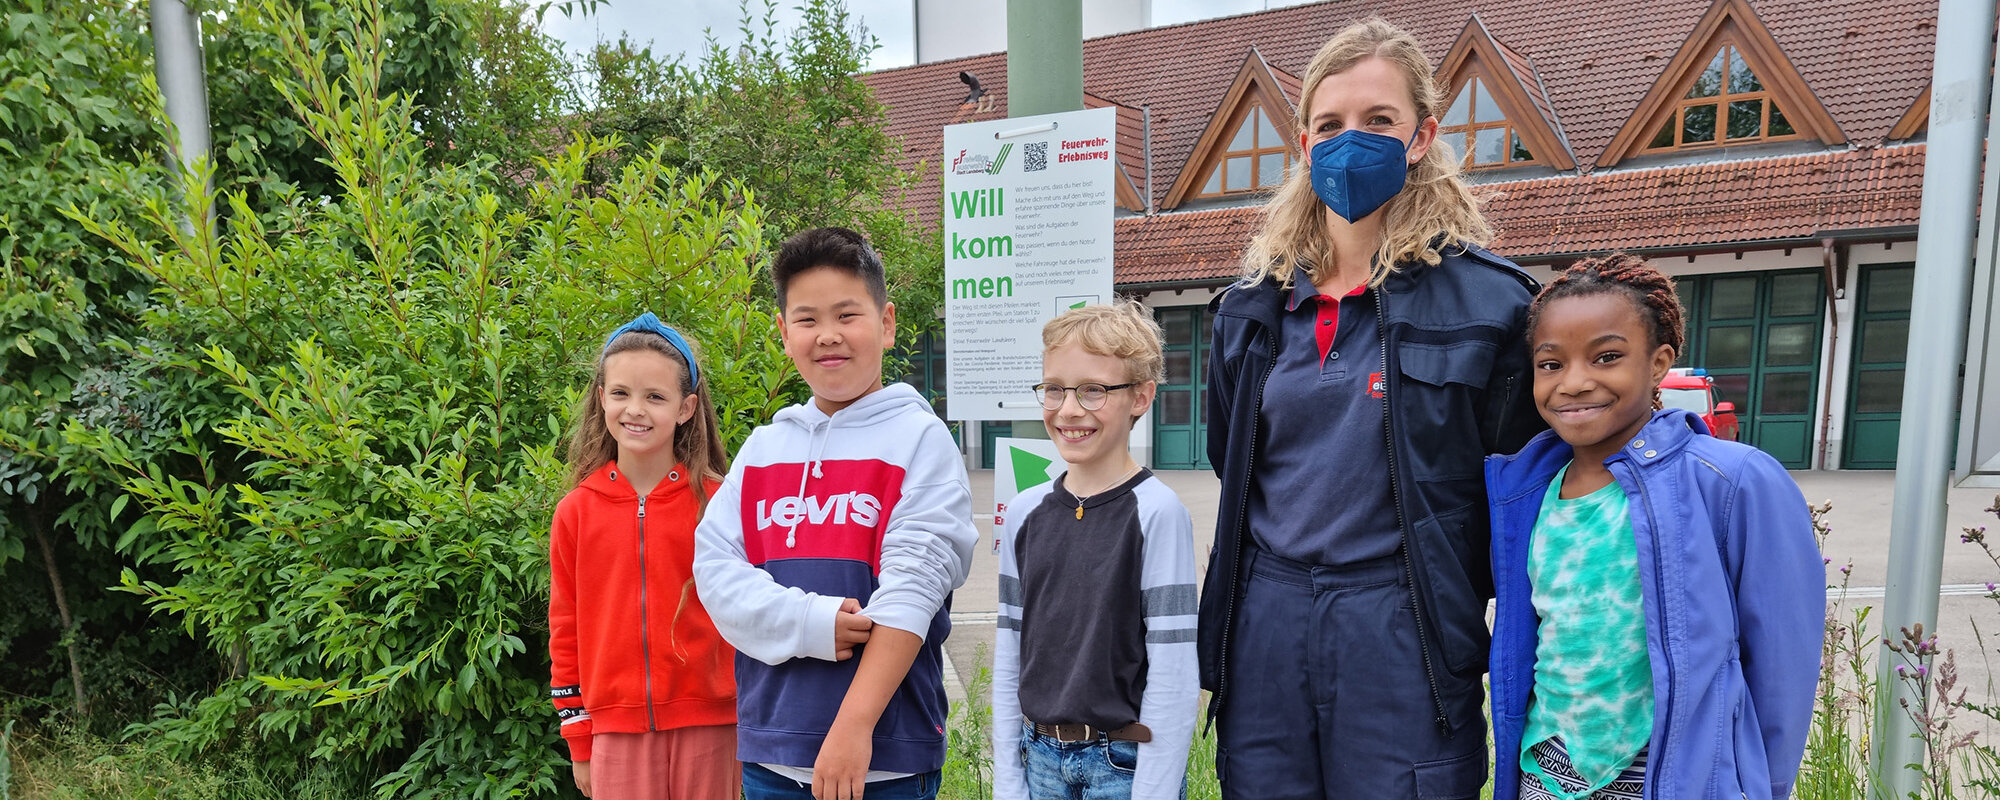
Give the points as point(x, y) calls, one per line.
point(1027, 234)
point(1020, 464)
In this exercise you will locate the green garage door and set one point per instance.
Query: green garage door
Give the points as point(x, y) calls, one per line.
point(1180, 410)
point(1759, 334)
point(989, 431)
point(1881, 341)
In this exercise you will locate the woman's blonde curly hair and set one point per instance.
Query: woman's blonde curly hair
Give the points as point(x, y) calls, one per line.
point(1432, 213)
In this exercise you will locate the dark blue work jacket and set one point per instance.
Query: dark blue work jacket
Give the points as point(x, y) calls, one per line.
point(1456, 361)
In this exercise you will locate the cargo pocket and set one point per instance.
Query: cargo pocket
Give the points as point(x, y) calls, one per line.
point(1438, 401)
point(1452, 778)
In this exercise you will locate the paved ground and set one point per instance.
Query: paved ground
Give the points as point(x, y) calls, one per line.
point(1860, 520)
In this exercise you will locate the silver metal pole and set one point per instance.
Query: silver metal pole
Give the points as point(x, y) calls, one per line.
point(177, 66)
point(1938, 308)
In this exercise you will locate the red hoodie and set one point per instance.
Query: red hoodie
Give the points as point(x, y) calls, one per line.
point(631, 646)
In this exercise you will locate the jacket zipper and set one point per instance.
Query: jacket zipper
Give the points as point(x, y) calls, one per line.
point(1242, 529)
point(645, 628)
point(1409, 541)
point(1656, 763)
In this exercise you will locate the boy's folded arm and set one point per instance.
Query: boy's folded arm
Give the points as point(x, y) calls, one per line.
point(926, 552)
point(846, 752)
point(762, 619)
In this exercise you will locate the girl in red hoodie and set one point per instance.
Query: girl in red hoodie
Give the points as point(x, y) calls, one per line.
point(643, 683)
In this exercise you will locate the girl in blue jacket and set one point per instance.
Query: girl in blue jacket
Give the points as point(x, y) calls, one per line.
point(1660, 601)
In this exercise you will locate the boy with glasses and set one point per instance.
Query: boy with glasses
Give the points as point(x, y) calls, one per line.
point(1094, 679)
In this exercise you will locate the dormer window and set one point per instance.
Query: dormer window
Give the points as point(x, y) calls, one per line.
point(1477, 128)
point(1256, 158)
point(1729, 84)
point(1727, 104)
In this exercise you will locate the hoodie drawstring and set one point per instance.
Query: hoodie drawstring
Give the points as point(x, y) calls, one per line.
point(815, 450)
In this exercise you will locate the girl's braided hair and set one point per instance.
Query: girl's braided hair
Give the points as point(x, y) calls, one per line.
point(1650, 290)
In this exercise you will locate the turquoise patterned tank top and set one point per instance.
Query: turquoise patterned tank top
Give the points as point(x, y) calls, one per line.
point(1593, 682)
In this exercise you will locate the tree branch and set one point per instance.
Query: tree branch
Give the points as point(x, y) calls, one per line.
point(62, 610)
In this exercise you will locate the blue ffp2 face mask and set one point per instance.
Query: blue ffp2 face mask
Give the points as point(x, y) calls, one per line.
point(1356, 172)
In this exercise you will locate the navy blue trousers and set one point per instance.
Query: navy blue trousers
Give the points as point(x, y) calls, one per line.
point(1328, 696)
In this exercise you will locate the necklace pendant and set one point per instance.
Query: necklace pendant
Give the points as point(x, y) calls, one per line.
point(1079, 511)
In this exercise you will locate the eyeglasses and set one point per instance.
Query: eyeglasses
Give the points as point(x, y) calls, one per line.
point(1090, 395)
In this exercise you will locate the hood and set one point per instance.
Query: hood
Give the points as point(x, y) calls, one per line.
point(873, 407)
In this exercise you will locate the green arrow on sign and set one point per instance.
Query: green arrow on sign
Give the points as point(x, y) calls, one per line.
point(1030, 470)
point(1079, 304)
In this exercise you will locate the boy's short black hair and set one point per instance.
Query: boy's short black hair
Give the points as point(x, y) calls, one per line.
point(839, 248)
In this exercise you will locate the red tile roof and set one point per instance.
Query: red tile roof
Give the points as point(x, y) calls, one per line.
point(1793, 199)
point(1863, 59)
point(1293, 85)
point(1718, 203)
point(1524, 71)
point(1182, 247)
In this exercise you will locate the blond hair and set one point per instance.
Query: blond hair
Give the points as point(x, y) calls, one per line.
point(1434, 210)
point(1124, 330)
point(697, 442)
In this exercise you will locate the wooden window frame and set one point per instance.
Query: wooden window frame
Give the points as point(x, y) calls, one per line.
point(1721, 102)
point(1220, 173)
point(1733, 23)
point(1472, 127)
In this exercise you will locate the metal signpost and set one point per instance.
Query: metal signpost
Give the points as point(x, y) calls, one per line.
point(1961, 93)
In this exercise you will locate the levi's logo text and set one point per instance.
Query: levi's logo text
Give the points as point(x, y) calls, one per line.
point(840, 514)
point(861, 509)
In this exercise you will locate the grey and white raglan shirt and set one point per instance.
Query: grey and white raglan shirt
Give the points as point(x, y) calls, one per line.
point(1097, 625)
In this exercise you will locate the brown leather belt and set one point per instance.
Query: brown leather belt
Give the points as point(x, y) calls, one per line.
point(1134, 732)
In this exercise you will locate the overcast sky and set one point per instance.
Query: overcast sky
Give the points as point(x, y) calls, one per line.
point(680, 26)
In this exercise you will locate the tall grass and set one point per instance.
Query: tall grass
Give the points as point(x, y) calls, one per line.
point(1960, 760)
point(76, 765)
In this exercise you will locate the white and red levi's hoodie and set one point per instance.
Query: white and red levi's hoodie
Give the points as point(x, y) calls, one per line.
point(870, 503)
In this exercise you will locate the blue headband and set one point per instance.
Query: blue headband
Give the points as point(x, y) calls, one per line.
point(647, 323)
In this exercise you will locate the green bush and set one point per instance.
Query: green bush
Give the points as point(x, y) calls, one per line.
point(76, 130)
point(370, 394)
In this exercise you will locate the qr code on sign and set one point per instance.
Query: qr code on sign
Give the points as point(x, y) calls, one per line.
point(1036, 157)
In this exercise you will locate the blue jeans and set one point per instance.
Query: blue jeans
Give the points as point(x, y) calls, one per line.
point(1094, 770)
point(762, 784)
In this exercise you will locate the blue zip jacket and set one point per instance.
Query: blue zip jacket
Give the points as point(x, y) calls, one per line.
point(1735, 598)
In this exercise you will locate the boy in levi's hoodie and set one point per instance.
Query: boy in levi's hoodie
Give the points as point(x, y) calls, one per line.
point(829, 554)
